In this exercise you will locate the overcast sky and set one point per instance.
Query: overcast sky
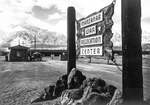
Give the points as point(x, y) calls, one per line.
point(52, 14)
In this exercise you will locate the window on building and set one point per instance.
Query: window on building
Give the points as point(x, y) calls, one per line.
point(18, 54)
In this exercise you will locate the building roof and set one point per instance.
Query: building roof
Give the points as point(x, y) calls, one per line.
point(47, 46)
point(18, 47)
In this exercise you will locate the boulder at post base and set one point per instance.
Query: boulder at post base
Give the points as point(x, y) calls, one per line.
point(75, 79)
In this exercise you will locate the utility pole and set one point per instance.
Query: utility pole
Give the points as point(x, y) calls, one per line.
point(23, 43)
point(18, 41)
point(35, 42)
point(132, 77)
point(71, 45)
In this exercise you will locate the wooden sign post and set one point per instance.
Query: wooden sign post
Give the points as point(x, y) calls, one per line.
point(71, 44)
point(132, 53)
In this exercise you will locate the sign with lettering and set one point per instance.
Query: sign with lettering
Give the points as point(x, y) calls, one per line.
point(91, 20)
point(94, 40)
point(90, 30)
point(94, 33)
point(91, 50)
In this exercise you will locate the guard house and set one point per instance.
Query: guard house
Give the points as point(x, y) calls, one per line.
point(19, 53)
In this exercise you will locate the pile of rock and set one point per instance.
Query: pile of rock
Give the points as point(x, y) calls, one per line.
point(74, 80)
point(76, 89)
point(93, 91)
point(55, 89)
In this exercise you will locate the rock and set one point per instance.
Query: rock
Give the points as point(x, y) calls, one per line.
point(77, 94)
point(147, 100)
point(60, 86)
point(97, 83)
point(75, 79)
point(88, 90)
point(109, 89)
point(49, 92)
point(93, 91)
point(69, 96)
point(63, 77)
point(96, 92)
point(83, 97)
point(117, 98)
point(95, 98)
point(65, 97)
point(55, 89)
point(57, 103)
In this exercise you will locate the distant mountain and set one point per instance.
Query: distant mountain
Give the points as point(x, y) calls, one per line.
point(145, 37)
point(30, 33)
point(117, 38)
point(45, 37)
point(22, 34)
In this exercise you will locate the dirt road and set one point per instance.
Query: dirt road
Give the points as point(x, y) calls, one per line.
point(22, 82)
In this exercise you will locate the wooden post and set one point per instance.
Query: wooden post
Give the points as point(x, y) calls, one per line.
point(132, 78)
point(35, 43)
point(71, 45)
point(89, 60)
point(107, 61)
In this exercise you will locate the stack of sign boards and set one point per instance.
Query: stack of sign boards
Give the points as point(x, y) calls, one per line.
point(91, 42)
point(94, 33)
